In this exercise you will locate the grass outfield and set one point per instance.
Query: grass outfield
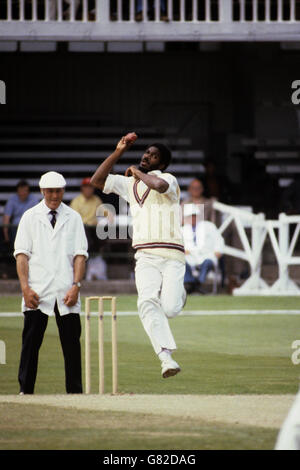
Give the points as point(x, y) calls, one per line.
point(221, 302)
point(21, 427)
point(223, 355)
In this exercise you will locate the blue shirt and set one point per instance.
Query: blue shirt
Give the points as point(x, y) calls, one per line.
point(15, 208)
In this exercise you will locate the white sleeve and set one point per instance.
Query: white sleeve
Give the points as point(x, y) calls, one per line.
point(23, 240)
point(173, 191)
point(117, 184)
point(81, 244)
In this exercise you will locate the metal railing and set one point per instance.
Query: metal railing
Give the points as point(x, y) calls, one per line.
point(150, 20)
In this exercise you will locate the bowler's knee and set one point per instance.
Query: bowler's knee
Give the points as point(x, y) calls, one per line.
point(171, 309)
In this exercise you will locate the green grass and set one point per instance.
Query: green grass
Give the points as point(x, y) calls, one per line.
point(227, 354)
point(21, 427)
point(246, 354)
point(220, 302)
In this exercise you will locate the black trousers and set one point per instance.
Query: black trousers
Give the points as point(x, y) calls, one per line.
point(69, 327)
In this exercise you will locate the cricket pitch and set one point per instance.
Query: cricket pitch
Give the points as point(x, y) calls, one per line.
point(267, 411)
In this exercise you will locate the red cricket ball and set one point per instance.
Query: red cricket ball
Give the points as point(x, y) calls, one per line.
point(131, 137)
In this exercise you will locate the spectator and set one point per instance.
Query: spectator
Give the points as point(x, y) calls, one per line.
point(96, 269)
point(86, 203)
point(203, 247)
point(196, 196)
point(15, 208)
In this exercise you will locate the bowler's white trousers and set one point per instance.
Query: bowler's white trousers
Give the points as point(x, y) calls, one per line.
point(159, 283)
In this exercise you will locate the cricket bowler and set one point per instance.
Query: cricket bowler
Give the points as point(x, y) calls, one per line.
point(153, 197)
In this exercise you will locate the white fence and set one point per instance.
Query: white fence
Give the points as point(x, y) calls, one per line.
point(282, 244)
point(283, 249)
point(150, 20)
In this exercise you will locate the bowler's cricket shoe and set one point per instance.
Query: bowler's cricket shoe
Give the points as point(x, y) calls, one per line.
point(169, 367)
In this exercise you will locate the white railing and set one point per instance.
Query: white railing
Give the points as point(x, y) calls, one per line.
point(278, 11)
point(150, 20)
point(252, 250)
point(284, 248)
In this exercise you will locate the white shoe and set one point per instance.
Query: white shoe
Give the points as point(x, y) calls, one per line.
point(21, 393)
point(169, 367)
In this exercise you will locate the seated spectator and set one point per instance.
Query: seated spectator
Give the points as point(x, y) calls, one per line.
point(196, 196)
point(15, 208)
point(96, 269)
point(86, 203)
point(203, 247)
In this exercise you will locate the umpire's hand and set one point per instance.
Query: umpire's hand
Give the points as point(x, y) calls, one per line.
point(31, 298)
point(71, 296)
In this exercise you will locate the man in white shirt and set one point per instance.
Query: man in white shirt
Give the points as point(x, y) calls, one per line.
point(203, 247)
point(153, 197)
point(50, 252)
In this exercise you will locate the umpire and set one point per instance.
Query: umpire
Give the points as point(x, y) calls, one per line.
point(50, 252)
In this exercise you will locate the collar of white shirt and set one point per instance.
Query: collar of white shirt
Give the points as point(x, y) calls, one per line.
point(46, 209)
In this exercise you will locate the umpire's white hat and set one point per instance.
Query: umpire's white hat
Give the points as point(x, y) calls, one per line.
point(51, 179)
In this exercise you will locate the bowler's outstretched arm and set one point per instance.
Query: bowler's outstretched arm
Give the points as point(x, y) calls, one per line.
point(100, 175)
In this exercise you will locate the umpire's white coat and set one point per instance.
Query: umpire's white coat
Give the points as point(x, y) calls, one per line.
point(51, 253)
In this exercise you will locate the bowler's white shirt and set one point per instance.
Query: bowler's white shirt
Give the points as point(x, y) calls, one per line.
point(121, 185)
point(155, 216)
point(51, 253)
point(208, 242)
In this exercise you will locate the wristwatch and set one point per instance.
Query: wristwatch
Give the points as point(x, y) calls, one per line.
point(78, 284)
